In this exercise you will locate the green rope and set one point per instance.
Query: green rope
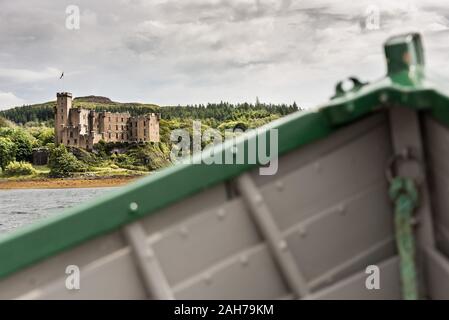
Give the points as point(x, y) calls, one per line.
point(404, 193)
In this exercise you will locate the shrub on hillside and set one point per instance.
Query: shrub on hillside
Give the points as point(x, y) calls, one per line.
point(86, 157)
point(101, 149)
point(19, 169)
point(62, 163)
point(7, 152)
point(42, 135)
point(125, 161)
point(153, 156)
point(46, 136)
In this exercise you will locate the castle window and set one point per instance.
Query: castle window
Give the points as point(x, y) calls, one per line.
point(122, 119)
point(116, 119)
point(68, 141)
point(116, 127)
point(116, 135)
point(122, 136)
point(71, 134)
point(109, 135)
point(76, 141)
point(109, 127)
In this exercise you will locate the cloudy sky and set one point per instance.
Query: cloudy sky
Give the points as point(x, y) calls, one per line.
point(173, 52)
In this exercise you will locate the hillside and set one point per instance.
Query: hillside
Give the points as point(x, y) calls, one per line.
point(214, 114)
point(44, 111)
point(32, 126)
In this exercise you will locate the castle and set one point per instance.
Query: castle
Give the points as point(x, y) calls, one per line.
point(83, 128)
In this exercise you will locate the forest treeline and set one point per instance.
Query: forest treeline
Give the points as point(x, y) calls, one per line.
point(219, 112)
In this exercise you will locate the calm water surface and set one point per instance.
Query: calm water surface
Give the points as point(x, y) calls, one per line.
point(23, 206)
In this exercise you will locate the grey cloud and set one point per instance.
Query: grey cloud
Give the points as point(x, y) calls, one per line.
point(194, 51)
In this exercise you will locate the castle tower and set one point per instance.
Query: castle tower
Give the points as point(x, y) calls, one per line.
point(153, 127)
point(62, 109)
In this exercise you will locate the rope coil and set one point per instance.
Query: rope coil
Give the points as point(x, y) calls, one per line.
point(404, 194)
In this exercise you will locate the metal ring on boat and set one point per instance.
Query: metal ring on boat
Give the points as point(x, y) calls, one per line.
point(406, 155)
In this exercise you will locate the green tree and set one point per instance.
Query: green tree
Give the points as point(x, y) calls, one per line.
point(7, 152)
point(23, 141)
point(46, 136)
point(63, 163)
point(24, 144)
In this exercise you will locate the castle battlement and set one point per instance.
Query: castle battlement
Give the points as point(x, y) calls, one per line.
point(63, 94)
point(83, 128)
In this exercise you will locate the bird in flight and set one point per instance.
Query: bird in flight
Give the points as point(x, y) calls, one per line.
point(62, 75)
